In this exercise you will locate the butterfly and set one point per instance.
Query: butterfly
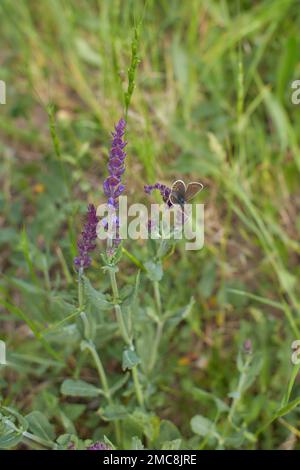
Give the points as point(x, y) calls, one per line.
point(180, 193)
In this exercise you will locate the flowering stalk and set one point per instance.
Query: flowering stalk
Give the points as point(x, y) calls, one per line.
point(86, 244)
point(113, 188)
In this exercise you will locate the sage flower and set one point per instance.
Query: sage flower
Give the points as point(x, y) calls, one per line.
point(86, 243)
point(164, 190)
point(113, 186)
point(98, 446)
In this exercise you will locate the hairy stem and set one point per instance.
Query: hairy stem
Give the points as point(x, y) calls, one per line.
point(125, 334)
point(154, 352)
point(103, 380)
point(159, 327)
point(89, 345)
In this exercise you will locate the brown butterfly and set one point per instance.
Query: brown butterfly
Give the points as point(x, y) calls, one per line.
point(180, 193)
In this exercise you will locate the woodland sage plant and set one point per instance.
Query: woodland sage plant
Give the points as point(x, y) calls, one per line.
point(141, 332)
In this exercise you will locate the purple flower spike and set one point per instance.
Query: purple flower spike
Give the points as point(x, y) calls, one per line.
point(86, 242)
point(112, 186)
point(98, 446)
point(164, 190)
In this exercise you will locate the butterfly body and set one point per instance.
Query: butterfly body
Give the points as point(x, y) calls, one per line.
point(180, 193)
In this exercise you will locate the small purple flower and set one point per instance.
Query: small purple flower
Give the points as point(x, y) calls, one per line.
point(164, 190)
point(112, 185)
point(98, 446)
point(247, 346)
point(86, 242)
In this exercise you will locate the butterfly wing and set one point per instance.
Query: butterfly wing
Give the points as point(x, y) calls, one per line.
point(192, 190)
point(178, 191)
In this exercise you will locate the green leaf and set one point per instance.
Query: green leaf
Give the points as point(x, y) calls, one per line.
point(94, 297)
point(10, 435)
point(288, 408)
point(203, 395)
point(172, 445)
point(26, 287)
point(148, 423)
point(9, 439)
point(253, 370)
point(73, 410)
point(286, 65)
point(173, 319)
point(113, 412)
point(67, 423)
point(202, 426)
point(79, 388)
point(154, 271)
point(40, 426)
point(136, 444)
point(119, 383)
point(168, 433)
point(22, 423)
point(235, 441)
point(130, 359)
point(65, 440)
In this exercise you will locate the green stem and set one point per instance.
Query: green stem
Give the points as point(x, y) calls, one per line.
point(85, 321)
point(118, 310)
point(153, 356)
point(240, 387)
point(27, 436)
point(38, 440)
point(287, 395)
point(103, 379)
point(101, 372)
point(159, 327)
point(92, 349)
point(80, 292)
point(126, 336)
point(137, 386)
point(157, 297)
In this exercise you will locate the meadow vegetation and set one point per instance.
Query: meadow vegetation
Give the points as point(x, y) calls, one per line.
point(156, 347)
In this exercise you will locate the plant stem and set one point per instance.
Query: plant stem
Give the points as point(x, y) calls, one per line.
point(137, 386)
point(80, 292)
point(103, 379)
point(157, 297)
point(158, 334)
point(89, 345)
point(159, 327)
point(99, 366)
point(38, 440)
point(240, 387)
point(126, 336)
point(293, 377)
point(118, 310)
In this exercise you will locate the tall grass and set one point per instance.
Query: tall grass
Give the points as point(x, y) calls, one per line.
point(205, 86)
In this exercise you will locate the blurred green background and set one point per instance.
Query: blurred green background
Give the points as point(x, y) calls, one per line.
point(212, 103)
